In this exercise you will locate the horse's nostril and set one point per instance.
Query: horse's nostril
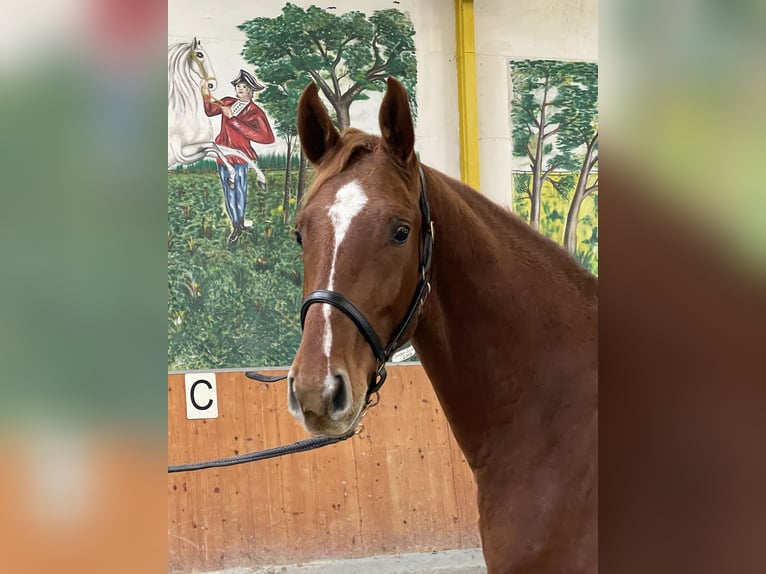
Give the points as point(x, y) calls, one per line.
point(291, 398)
point(339, 395)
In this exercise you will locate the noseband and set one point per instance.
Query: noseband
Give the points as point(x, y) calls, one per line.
point(383, 354)
point(200, 66)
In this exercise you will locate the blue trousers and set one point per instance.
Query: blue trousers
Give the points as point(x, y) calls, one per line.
point(234, 199)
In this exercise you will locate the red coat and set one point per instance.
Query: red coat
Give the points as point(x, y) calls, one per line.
point(251, 125)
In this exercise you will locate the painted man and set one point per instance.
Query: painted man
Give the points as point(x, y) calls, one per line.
point(242, 123)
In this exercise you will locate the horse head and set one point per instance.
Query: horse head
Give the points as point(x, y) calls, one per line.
point(360, 226)
point(200, 64)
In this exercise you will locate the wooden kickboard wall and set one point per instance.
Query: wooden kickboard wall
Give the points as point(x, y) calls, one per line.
point(400, 486)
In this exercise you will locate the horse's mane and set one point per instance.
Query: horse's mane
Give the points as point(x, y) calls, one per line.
point(182, 89)
point(352, 141)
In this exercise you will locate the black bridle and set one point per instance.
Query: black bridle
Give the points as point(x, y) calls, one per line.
point(337, 300)
point(382, 354)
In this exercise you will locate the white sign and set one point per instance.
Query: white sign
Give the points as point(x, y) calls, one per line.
point(201, 396)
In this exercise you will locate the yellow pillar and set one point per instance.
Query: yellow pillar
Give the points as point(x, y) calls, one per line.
point(466, 90)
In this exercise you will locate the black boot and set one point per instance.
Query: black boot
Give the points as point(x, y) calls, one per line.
point(236, 232)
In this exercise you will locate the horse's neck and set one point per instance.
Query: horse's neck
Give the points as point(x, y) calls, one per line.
point(507, 311)
point(182, 97)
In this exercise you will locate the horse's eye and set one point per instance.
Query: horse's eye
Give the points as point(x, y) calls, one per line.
point(298, 238)
point(401, 234)
point(200, 55)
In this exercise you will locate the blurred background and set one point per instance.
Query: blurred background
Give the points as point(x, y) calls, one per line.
point(683, 101)
point(682, 268)
point(83, 287)
point(83, 241)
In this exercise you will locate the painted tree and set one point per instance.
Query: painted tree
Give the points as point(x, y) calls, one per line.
point(534, 123)
point(579, 138)
point(280, 98)
point(554, 121)
point(346, 55)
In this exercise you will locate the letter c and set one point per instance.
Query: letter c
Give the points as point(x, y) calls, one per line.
point(194, 402)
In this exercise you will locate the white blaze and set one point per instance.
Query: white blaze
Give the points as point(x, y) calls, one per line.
point(349, 201)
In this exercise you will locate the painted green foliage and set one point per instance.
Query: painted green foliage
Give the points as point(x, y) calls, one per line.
point(230, 305)
point(554, 121)
point(346, 54)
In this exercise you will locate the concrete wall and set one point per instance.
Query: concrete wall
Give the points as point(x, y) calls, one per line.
point(520, 29)
point(553, 29)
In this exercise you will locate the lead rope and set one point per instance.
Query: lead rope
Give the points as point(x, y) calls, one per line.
point(300, 446)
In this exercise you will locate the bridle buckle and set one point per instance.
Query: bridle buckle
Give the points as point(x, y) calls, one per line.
point(372, 403)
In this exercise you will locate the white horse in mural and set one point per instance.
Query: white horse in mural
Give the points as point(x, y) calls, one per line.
point(190, 132)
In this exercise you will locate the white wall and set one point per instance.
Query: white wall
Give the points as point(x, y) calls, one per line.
point(437, 130)
point(520, 29)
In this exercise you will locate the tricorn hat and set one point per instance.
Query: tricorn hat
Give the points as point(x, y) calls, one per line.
point(247, 78)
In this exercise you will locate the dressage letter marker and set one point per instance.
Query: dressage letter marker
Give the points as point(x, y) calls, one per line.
point(201, 396)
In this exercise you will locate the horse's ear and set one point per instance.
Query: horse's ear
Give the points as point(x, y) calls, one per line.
point(396, 122)
point(195, 43)
point(315, 128)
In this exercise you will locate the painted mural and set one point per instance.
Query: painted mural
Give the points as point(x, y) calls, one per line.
point(554, 127)
point(236, 172)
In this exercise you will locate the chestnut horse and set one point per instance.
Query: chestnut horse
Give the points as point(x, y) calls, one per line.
point(503, 320)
